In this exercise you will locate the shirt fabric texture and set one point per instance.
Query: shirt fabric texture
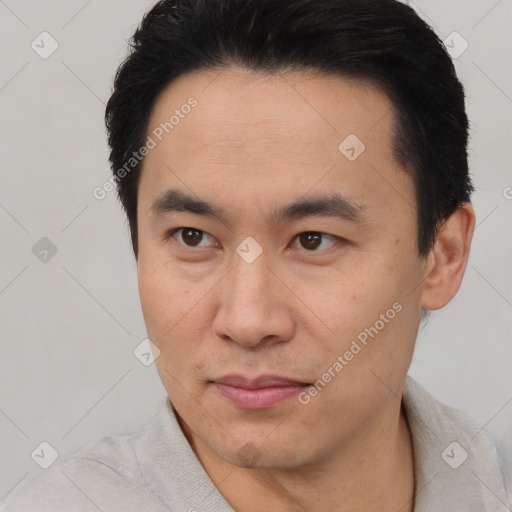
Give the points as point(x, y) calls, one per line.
point(156, 470)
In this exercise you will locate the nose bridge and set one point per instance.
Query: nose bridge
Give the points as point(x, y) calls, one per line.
point(250, 310)
point(249, 276)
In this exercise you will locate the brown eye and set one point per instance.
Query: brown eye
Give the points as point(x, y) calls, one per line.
point(191, 236)
point(312, 240)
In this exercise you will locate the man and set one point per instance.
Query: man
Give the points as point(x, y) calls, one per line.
point(295, 177)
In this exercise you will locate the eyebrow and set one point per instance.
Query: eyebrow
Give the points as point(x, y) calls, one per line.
point(334, 205)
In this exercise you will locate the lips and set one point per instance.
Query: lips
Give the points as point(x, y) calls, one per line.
point(264, 381)
point(262, 392)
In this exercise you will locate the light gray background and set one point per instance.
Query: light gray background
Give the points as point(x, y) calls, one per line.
point(69, 326)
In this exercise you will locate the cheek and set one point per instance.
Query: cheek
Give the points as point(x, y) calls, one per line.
point(176, 310)
point(156, 298)
point(164, 292)
point(349, 298)
point(174, 319)
point(370, 313)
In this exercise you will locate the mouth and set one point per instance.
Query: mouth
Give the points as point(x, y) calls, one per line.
point(263, 392)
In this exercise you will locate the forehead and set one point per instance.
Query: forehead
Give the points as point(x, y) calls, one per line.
point(248, 133)
point(233, 104)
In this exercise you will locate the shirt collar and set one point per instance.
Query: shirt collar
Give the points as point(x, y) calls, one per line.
point(456, 464)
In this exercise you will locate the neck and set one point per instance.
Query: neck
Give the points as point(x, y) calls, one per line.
point(373, 471)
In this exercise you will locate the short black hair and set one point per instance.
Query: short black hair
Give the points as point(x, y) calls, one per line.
point(383, 42)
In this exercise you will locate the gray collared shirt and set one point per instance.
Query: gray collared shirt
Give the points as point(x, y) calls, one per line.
point(155, 469)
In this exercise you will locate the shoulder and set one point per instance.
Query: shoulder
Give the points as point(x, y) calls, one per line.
point(102, 476)
point(454, 456)
point(436, 419)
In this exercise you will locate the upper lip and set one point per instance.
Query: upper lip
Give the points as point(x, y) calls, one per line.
point(263, 381)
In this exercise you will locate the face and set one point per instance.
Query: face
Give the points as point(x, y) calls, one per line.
point(277, 240)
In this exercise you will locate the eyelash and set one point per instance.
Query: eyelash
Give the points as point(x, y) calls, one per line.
point(338, 239)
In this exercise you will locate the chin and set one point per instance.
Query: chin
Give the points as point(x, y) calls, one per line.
point(257, 452)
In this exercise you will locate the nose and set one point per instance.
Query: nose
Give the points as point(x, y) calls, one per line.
point(253, 309)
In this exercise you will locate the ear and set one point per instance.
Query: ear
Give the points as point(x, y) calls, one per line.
point(446, 262)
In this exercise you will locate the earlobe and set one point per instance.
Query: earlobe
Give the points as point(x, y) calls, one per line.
point(447, 260)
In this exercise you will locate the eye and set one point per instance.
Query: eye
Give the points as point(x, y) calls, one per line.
point(190, 237)
point(312, 240)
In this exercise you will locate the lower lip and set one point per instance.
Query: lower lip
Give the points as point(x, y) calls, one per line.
point(261, 398)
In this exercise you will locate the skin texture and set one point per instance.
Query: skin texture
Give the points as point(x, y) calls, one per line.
point(252, 144)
